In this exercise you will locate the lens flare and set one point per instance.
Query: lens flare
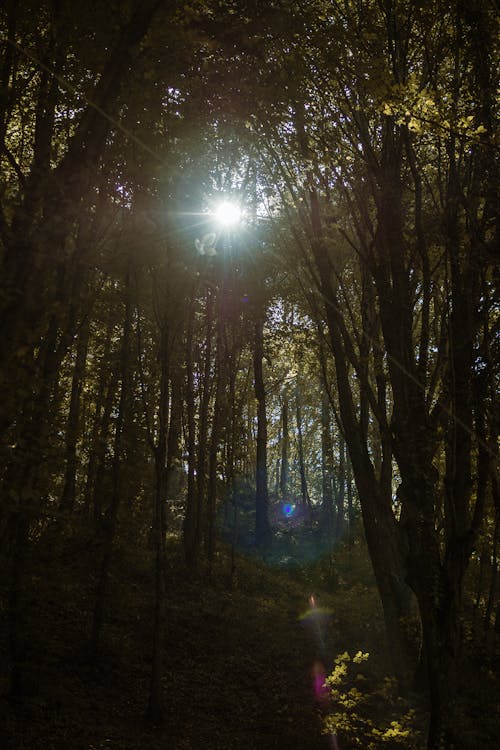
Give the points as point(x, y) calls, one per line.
point(227, 214)
point(320, 688)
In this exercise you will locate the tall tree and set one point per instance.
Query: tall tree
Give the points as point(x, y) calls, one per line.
point(428, 303)
point(262, 527)
point(284, 478)
point(110, 519)
point(68, 494)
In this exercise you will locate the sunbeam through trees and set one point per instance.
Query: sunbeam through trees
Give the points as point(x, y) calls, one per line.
point(249, 490)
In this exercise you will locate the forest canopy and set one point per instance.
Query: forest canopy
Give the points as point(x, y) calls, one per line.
point(249, 305)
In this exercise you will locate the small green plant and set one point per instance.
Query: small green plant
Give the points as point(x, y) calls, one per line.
point(368, 716)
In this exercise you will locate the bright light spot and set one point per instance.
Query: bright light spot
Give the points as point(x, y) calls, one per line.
point(228, 214)
point(288, 509)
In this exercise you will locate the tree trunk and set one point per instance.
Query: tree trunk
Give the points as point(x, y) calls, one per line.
point(100, 428)
point(232, 441)
point(215, 433)
point(95, 487)
point(262, 527)
point(190, 533)
point(67, 501)
point(342, 481)
point(108, 529)
point(327, 465)
point(385, 544)
point(350, 498)
point(492, 589)
point(155, 711)
point(206, 392)
point(304, 492)
point(284, 479)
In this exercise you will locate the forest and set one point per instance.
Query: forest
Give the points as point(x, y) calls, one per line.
point(249, 357)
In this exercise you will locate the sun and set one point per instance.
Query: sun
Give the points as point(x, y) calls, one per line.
point(227, 214)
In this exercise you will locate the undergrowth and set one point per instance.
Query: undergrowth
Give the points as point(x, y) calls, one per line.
point(240, 657)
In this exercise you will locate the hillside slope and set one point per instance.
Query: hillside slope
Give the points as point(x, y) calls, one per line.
point(237, 670)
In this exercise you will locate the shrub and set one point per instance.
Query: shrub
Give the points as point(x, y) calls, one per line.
point(367, 713)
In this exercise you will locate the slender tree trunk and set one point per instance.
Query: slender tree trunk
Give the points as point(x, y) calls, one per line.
point(190, 520)
point(490, 602)
point(100, 427)
point(108, 529)
point(350, 498)
point(304, 492)
point(262, 527)
point(95, 485)
point(216, 430)
point(67, 501)
point(155, 711)
point(203, 449)
point(341, 491)
point(174, 431)
point(212, 477)
point(234, 436)
point(327, 465)
point(284, 480)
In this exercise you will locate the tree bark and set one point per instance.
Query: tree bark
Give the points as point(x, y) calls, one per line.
point(284, 479)
point(203, 446)
point(100, 427)
point(155, 711)
point(190, 533)
point(262, 526)
point(108, 528)
point(215, 436)
point(327, 463)
point(304, 492)
point(67, 501)
point(385, 544)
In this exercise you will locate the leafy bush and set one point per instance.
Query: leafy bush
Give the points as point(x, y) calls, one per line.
point(368, 715)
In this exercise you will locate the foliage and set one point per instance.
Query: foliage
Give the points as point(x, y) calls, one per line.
point(359, 139)
point(369, 715)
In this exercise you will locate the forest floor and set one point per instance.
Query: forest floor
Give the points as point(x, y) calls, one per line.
point(239, 656)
